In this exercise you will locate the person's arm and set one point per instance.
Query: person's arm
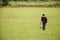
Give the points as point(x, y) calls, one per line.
point(41, 21)
point(41, 18)
point(46, 20)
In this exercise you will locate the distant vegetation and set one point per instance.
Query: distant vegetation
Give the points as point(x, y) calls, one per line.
point(7, 2)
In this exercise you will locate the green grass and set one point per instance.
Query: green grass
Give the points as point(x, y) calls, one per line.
point(23, 24)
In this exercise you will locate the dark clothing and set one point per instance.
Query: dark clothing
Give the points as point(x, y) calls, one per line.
point(44, 24)
point(44, 21)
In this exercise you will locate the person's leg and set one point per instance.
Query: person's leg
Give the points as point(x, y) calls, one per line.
point(44, 26)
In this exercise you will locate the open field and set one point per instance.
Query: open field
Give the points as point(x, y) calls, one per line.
point(23, 24)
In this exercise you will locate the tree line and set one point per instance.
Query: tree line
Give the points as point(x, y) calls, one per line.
point(5, 2)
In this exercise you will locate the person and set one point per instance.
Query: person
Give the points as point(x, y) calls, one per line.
point(44, 21)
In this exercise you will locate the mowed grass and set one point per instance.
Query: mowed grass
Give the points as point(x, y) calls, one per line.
point(23, 24)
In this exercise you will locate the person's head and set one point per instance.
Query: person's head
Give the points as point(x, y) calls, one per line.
point(43, 14)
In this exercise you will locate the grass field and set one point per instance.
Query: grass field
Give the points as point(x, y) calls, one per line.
point(23, 24)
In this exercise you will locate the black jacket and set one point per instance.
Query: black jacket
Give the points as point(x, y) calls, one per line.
point(44, 19)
